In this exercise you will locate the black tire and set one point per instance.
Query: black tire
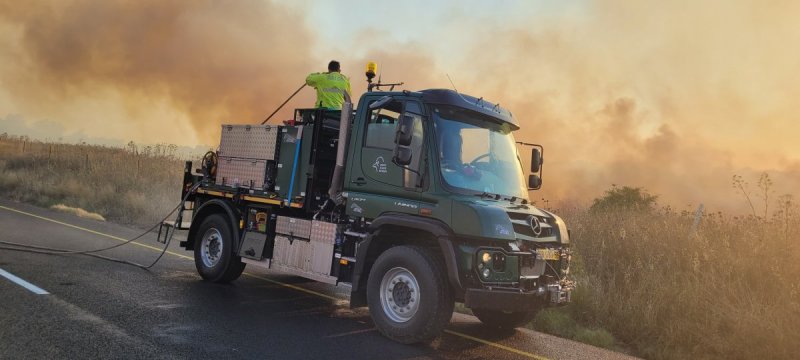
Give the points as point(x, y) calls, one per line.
point(504, 320)
point(434, 299)
point(227, 265)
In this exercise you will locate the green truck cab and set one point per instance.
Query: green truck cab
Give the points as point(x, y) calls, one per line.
point(425, 205)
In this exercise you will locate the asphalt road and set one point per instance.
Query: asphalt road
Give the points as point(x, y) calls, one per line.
point(100, 309)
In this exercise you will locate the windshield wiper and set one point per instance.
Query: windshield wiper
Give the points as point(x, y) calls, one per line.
point(488, 195)
point(511, 199)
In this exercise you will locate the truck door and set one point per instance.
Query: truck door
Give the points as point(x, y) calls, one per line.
point(378, 185)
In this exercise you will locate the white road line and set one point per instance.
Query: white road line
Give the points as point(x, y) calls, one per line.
point(33, 288)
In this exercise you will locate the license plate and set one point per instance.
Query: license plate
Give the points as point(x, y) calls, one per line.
point(549, 254)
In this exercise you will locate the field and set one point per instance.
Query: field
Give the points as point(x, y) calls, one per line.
point(729, 290)
point(126, 185)
point(664, 284)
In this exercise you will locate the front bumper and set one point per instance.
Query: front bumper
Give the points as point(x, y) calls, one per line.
point(509, 300)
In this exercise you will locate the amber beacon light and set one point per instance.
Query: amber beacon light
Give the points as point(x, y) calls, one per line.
point(372, 69)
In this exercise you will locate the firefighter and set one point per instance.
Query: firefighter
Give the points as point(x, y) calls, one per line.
point(330, 86)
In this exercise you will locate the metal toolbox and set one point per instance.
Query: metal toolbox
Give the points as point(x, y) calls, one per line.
point(305, 246)
point(294, 254)
point(236, 172)
point(294, 228)
point(323, 232)
point(249, 141)
point(308, 257)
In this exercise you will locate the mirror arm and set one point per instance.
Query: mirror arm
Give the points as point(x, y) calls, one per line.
point(406, 167)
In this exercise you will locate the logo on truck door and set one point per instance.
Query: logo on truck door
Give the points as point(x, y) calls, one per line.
point(380, 165)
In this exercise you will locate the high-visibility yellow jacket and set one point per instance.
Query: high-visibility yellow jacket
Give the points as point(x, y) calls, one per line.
point(329, 87)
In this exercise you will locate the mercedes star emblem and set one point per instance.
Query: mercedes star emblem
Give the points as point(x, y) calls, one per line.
point(536, 227)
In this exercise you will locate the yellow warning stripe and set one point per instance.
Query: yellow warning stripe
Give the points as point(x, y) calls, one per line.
point(494, 344)
point(290, 286)
point(248, 198)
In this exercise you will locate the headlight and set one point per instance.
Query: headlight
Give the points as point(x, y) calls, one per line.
point(486, 272)
point(486, 257)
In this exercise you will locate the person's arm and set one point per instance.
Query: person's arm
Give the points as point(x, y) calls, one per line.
point(347, 85)
point(313, 79)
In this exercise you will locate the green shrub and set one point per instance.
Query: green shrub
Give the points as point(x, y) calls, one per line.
point(624, 198)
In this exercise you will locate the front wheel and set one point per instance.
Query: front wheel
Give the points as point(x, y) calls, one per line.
point(214, 257)
point(504, 320)
point(408, 294)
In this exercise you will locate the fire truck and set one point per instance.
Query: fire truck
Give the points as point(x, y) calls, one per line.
point(413, 200)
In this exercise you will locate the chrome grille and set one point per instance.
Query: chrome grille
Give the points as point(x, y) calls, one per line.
point(522, 225)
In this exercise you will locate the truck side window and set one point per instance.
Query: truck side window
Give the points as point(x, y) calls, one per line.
point(381, 126)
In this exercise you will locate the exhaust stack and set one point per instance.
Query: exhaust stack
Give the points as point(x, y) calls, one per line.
point(335, 191)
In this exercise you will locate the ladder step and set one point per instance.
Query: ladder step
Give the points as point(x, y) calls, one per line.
point(182, 226)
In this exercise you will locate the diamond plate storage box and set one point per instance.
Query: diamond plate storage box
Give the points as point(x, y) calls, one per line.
point(249, 141)
point(235, 172)
point(304, 245)
point(298, 228)
point(323, 232)
point(309, 257)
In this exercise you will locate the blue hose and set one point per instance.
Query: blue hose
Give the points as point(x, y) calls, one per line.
point(294, 165)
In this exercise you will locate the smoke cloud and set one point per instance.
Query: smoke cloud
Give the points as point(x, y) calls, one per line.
point(676, 97)
point(203, 62)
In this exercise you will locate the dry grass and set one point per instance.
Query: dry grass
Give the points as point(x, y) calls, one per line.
point(129, 186)
point(731, 290)
point(78, 212)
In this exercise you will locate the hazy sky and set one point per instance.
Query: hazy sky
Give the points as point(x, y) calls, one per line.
point(674, 96)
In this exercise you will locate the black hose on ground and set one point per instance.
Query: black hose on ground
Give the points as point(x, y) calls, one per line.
point(56, 251)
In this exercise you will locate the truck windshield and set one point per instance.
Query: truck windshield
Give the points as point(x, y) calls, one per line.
point(477, 153)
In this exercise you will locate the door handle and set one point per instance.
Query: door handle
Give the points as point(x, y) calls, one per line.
point(359, 181)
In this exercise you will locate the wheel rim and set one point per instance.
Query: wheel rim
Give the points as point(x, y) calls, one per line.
point(399, 294)
point(211, 247)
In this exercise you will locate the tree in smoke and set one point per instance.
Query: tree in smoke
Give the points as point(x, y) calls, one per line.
point(624, 198)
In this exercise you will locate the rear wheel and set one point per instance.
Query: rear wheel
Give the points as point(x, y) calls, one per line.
point(408, 294)
point(213, 251)
point(504, 320)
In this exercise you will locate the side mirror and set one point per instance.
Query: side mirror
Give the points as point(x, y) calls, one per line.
point(402, 155)
point(536, 161)
point(405, 130)
point(534, 182)
point(380, 102)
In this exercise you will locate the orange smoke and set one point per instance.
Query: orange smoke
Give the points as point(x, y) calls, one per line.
point(211, 61)
point(674, 97)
